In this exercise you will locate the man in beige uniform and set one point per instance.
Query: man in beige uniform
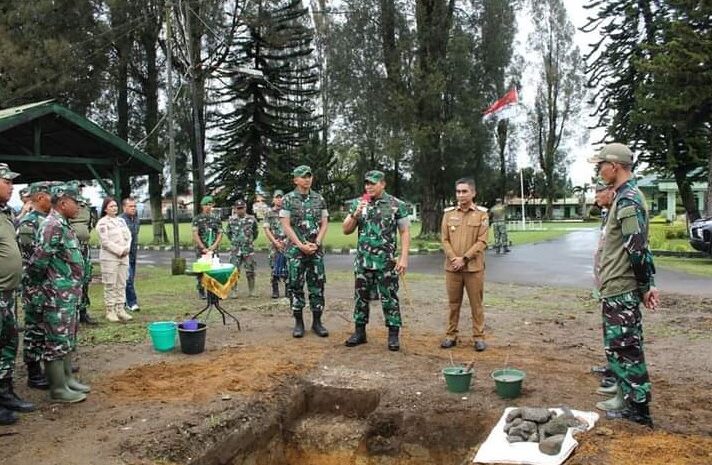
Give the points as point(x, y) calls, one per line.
point(464, 239)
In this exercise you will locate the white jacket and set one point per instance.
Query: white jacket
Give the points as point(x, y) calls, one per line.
point(115, 238)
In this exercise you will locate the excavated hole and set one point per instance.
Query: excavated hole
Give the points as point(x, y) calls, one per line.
point(328, 425)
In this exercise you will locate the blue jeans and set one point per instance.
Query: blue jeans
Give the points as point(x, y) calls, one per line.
point(131, 298)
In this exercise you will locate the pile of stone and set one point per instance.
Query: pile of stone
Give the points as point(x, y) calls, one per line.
point(534, 424)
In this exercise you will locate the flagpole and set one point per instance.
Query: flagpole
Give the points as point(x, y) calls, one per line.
point(521, 186)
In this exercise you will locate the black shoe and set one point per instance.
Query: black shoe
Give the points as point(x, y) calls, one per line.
point(85, 318)
point(635, 411)
point(317, 327)
point(480, 346)
point(7, 417)
point(275, 289)
point(448, 343)
point(393, 343)
point(358, 337)
point(36, 379)
point(298, 330)
point(10, 400)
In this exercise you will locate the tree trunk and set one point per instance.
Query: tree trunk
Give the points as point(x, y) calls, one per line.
point(688, 198)
point(502, 130)
point(122, 102)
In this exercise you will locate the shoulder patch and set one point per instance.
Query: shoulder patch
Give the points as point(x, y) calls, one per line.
point(481, 208)
point(626, 212)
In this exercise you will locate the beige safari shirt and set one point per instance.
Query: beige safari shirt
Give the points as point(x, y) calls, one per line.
point(464, 234)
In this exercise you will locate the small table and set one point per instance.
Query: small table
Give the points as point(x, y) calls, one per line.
point(217, 283)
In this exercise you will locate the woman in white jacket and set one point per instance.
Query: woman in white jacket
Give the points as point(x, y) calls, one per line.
point(115, 239)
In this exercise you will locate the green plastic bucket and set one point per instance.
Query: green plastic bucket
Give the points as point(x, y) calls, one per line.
point(457, 379)
point(163, 335)
point(508, 382)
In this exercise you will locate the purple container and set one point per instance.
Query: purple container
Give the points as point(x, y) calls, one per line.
point(190, 325)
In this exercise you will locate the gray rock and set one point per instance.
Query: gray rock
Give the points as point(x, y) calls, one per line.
point(537, 415)
point(525, 429)
point(551, 445)
point(514, 438)
point(515, 422)
point(516, 413)
point(534, 438)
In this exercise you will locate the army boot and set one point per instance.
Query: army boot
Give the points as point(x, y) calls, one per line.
point(609, 390)
point(637, 412)
point(613, 404)
point(275, 288)
point(85, 318)
point(71, 381)
point(7, 417)
point(10, 400)
point(35, 377)
point(358, 337)
point(251, 286)
point(298, 330)
point(317, 327)
point(122, 313)
point(58, 390)
point(111, 314)
point(393, 343)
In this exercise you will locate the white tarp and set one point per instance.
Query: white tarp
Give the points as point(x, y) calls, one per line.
point(496, 449)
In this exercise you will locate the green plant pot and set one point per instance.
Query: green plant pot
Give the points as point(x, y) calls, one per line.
point(508, 382)
point(457, 379)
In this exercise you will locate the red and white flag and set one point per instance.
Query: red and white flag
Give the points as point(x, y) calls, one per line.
point(502, 108)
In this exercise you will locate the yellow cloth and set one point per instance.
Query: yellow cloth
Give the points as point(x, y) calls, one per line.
point(220, 282)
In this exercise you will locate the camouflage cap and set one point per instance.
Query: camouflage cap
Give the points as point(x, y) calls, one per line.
point(601, 186)
point(278, 193)
point(207, 200)
point(615, 153)
point(375, 176)
point(70, 190)
point(5, 172)
point(301, 171)
point(239, 203)
point(24, 192)
point(37, 187)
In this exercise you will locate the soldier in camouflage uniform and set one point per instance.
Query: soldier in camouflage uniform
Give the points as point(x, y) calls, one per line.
point(207, 233)
point(305, 220)
point(33, 337)
point(625, 276)
point(26, 204)
point(82, 225)
point(499, 223)
point(57, 269)
point(278, 244)
point(378, 215)
point(241, 229)
point(10, 275)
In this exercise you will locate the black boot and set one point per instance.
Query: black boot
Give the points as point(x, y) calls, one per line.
point(358, 337)
point(393, 343)
point(12, 401)
point(298, 330)
point(35, 377)
point(85, 318)
point(637, 412)
point(317, 327)
point(7, 417)
point(275, 288)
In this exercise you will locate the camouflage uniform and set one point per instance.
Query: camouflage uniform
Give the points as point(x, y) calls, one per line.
point(374, 265)
point(499, 223)
point(624, 273)
point(82, 225)
point(242, 232)
point(208, 227)
point(305, 213)
point(10, 275)
point(277, 262)
point(33, 337)
point(57, 269)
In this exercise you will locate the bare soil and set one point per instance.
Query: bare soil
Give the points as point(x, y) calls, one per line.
point(259, 396)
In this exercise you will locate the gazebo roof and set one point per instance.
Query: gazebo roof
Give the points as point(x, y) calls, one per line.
point(46, 141)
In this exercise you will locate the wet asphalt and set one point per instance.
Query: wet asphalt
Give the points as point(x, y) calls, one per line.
point(563, 262)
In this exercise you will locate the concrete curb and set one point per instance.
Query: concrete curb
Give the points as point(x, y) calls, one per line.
point(345, 251)
point(670, 253)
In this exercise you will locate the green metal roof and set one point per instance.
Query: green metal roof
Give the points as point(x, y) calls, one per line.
point(46, 141)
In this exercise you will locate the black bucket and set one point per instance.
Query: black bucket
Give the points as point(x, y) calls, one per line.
point(192, 341)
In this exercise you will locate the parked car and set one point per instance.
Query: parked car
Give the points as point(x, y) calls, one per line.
point(701, 235)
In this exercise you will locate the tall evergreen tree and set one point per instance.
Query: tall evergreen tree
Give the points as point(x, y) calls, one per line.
point(273, 81)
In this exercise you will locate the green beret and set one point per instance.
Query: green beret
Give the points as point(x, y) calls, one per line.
point(207, 200)
point(5, 172)
point(301, 171)
point(375, 176)
point(37, 187)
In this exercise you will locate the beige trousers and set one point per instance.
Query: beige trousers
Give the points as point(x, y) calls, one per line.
point(114, 275)
point(455, 284)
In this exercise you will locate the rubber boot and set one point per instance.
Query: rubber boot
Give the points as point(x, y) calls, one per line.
point(613, 404)
point(298, 330)
point(85, 317)
point(638, 412)
point(122, 313)
point(111, 314)
point(58, 390)
point(7, 417)
point(251, 286)
point(317, 327)
point(10, 400)
point(35, 378)
point(606, 391)
point(393, 343)
point(275, 288)
point(358, 337)
point(72, 382)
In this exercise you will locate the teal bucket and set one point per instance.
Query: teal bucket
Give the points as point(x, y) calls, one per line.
point(508, 382)
point(457, 379)
point(163, 335)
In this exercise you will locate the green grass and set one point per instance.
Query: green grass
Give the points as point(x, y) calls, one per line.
point(696, 266)
point(671, 237)
point(335, 239)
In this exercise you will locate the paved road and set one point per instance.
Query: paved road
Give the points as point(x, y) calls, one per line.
point(563, 262)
